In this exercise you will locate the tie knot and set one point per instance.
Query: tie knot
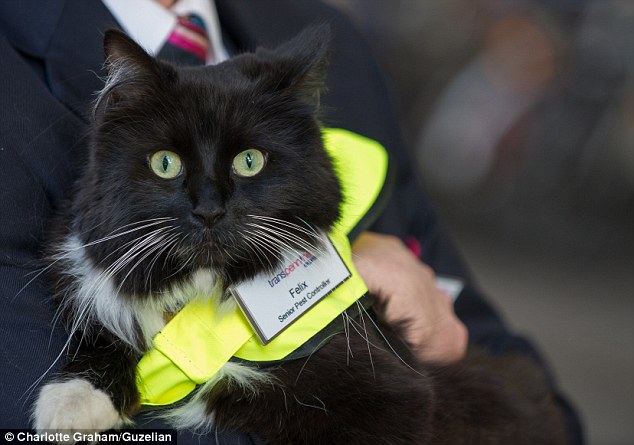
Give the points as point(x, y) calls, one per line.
point(188, 44)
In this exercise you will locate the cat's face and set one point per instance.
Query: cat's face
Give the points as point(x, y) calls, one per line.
point(218, 167)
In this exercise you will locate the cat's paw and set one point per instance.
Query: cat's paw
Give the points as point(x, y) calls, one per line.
point(74, 405)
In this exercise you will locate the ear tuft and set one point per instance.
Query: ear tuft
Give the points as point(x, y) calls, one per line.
point(131, 71)
point(299, 65)
point(118, 46)
point(308, 54)
point(307, 57)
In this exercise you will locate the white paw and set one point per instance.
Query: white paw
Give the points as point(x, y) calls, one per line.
point(74, 405)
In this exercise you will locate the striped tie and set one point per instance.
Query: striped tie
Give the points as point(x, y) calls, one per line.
point(188, 44)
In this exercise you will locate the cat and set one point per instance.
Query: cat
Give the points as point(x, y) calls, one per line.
point(182, 160)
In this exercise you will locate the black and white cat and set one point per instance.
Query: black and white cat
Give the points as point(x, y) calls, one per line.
point(183, 163)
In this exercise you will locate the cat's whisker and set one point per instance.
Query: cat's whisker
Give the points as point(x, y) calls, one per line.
point(310, 231)
point(233, 256)
point(35, 277)
point(313, 245)
point(134, 242)
point(378, 329)
point(138, 245)
point(155, 247)
point(251, 244)
point(139, 249)
point(265, 242)
point(66, 347)
point(56, 317)
point(280, 235)
point(262, 245)
point(130, 224)
point(29, 391)
point(270, 243)
point(154, 252)
point(346, 331)
point(115, 234)
point(141, 243)
point(358, 328)
point(62, 255)
point(317, 348)
point(365, 330)
point(310, 228)
point(81, 314)
point(285, 402)
point(169, 244)
point(323, 407)
point(276, 242)
point(289, 239)
point(175, 249)
point(348, 322)
point(279, 224)
point(186, 263)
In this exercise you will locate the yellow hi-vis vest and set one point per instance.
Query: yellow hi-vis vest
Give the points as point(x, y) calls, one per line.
point(200, 339)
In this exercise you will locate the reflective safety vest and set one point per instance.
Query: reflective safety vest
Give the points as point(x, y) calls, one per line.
point(200, 339)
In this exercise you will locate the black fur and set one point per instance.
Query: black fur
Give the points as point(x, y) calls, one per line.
point(356, 389)
point(350, 393)
point(264, 100)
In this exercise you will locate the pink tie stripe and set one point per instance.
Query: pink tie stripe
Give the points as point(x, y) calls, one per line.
point(190, 37)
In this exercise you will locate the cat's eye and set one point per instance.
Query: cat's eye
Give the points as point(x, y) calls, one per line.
point(249, 163)
point(166, 164)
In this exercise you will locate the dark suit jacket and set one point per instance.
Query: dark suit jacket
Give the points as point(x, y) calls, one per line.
point(51, 64)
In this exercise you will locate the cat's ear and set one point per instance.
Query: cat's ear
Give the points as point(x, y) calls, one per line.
point(299, 65)
point(306, 58)
point(132, 72)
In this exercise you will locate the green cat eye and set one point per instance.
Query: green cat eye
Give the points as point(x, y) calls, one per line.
point(249, 162)
point(166, 164)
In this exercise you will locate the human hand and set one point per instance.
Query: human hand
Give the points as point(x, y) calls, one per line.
point(407, 288)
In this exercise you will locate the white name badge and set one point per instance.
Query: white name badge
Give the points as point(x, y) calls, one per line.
point(273, 301)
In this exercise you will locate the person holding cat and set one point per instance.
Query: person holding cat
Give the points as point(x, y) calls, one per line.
point(49, 81)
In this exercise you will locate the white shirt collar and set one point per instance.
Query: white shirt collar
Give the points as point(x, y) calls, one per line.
point(150, 24)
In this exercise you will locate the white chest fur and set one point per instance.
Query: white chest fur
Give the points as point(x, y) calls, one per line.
point(95, 297)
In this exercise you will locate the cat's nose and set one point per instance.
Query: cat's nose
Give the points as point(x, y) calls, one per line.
point(208, 215)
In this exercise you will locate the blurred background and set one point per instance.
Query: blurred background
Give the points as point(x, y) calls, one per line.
point(520, 114)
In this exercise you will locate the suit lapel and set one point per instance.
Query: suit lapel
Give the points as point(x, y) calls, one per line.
point(28, 32)
point(74, 59)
